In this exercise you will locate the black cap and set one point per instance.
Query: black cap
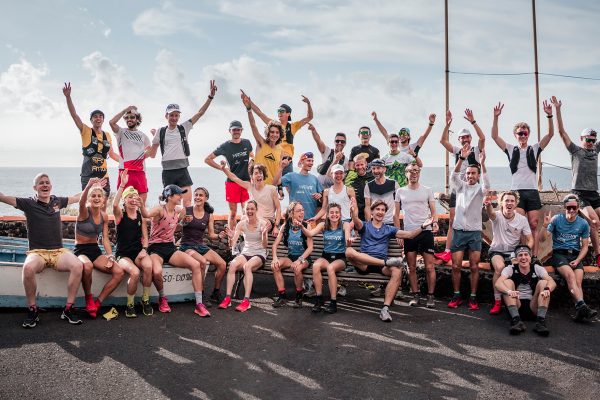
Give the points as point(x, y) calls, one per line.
point(378, 162)
point(96, 112)
point(170, 190)
point(235, 124)
point(286, 108)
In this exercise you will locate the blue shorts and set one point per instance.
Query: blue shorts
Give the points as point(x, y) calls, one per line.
point(465, 240)
point(198, 248)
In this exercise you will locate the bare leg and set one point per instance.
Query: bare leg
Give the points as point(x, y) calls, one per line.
point(332, 269)
point(391, 289)
point(33, 265)
point(68, 262)
point(532, 217)
point(86, 278)
point(184, 260)
point(249, 267)
point(457, 259)
point(157, 268)
point(429, 272)
point(474, 257)
point(117, 275)
point(411, 259)
point(134, 275)
point(284, 263)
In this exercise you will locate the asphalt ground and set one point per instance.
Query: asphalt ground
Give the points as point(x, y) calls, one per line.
point(289, 353)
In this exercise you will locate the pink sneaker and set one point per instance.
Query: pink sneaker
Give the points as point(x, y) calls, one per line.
point(201, 310)
point(445, 256)
point(163, 305)
point(496, 308)
point(90, 306)
point(244, 306)
point(225, 303)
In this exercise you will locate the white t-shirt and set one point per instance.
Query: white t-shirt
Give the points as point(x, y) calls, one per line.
point(463, 167)
point(415, 205)
point(524, 178)
point(411, 146)
point(131, 148)
point(507, 233)
point(469, 201)
point(174, 156)
point(524, 289)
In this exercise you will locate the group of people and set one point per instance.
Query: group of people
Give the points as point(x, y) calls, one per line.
point(363, 193)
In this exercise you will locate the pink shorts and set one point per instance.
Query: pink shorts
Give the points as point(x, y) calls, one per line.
point(234, 193)
point(137, 179)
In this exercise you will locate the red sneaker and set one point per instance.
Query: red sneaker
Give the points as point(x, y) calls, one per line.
point(90, 306)
point(225, 303)
point(244, 306)
point(598, 260)
point(445, 256)
point(201, 310)
point(163, 305)
point(455, 302)
point(473, 305)
point(496, 308)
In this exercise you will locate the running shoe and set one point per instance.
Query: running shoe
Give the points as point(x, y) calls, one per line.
point(215, 297)
point(318, 307)
point(342, 290)
point(584, 313)
point(445, 256)
point(455, 302)
point(496, 308)
point(598, 260)
point(331, 308)
point(517, 326)
point(384, 315)
point(415, 300)
point(243, 306)
point(33, 317)
point(298, 301)
point(379, 292)
point(394, 262)
point(225, 303)
point(430, 301)
point(147, 307)
point(473, 305)
point(311, 292)
point(163, 305)
point(590, 314)
point(90, 305)
point(279, 302)
point(70, 316)
point(540, 327)
point(130, 311)
point(201, 310)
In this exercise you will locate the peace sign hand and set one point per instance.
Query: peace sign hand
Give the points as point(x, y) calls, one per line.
point(498, 109)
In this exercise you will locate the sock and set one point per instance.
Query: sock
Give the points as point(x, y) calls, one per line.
point(130, 298)
point(333, 301)
point(456, 294)
point(319, 298)
point(473, 297)
point(198, 296)
point(246, 298)
point(161, 293)
point(33, 307)
point(299, 290)
point(146, 293)
point(447, 250)
point(541, 313)
point(68, 306)
point(514, 311)
point(497, 296)
point(579, 303)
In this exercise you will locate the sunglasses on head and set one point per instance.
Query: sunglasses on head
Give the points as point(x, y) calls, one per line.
point(340, 141)
point(365, 133)
point(590, 140)
point(523, 133)
point(571, 208)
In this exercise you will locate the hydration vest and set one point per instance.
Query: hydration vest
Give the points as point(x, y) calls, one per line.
point(516, 155)
point(184, 142)
point(388, 186)
point(323, 168)
point(471, 160)
point(518, 278)
point(92, 148)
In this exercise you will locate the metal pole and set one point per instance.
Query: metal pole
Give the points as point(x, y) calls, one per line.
point(537, 91)
point(447, 180)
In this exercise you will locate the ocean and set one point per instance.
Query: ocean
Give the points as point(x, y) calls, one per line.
point(17, 181)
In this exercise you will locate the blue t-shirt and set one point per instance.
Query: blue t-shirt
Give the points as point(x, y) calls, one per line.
point(334, 241)
point(302, 187)
point(295, 243)
point(567, 235)
point(374, 242)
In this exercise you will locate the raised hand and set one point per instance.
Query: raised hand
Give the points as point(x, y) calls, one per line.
point(498, 109)
point(465, 150)
point(285, 162)
point(448, 117)
point(432, 118)
point(481, 156)
point(311, 127)
point(245, 99)
point(103, 182)
point(557, 103)
point(92, 182)
point(124, 178)
point(547, 219)
point(338, 156)
point(153, 132)
point(547, 107)
point(305, 99)
point(374, 115)
point(67, 89)
point(213, 88)
point(469, 115)
point(487, 201)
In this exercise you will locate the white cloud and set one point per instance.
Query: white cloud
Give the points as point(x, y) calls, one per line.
point(170, 80)
point(169, 20)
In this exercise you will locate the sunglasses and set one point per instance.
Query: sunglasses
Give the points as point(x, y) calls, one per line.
point(414, 171)
point(403, 133)
point(130, 117)
point(281, 111)
point(590, 140)
point(287, 158)
point(365, 133)
point(340, 141)
point(393, 142)
point(523, 133)
point(571, 208)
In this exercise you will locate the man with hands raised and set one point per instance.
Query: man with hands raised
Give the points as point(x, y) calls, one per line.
point(329, 156)
point(404, 134)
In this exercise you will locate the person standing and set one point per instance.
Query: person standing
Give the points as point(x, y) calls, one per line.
point(329, 156)
point(404, 135)
point(303, 186)
point(365, 148)
point(380, 188)
point(396, 161)
point(357, 179)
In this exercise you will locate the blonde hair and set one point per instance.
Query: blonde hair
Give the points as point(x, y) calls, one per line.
point(520, 125)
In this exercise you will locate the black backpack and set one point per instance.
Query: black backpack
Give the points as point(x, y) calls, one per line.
point(184, 142)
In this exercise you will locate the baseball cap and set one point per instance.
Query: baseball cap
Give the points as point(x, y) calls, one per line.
point(128, 191)
point(522, 248)
point(170, 190)
point(96, 112)
point(172, 108)
point(589, 132)
point(235, 124)
point(286, 108)
point(464, 132)
point(336, 168)
point(404, 131)
point(378, 162)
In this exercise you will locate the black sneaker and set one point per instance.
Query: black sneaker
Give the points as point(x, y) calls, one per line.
point(130, 311)
point(517, 326)
point(318, 307)
point(590, 313)
point(70, 316)
point(540, 327)
point(298, 302)
point(33, 317)
point(147, 309)
point(216, 297)
point(584, 313)
point(280, 302)
point(331, 308)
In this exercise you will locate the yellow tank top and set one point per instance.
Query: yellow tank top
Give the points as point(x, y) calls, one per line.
point(270, 157)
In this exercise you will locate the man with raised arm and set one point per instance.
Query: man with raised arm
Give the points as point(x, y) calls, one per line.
point(284, 114)
point(404, 134)
point(237, 152)
point(464, 139)
point(364, 148)
point(173, 142)
point(95, 144)
point(570, 240)
point(396, 161)
point(133, 146)
point(373, 256)
point(467, 224)
point(522, 159)
point(584, 169)
point(509, 229)
point(329, 156)
point(44, 232)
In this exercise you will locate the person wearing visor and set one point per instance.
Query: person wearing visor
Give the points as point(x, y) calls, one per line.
point(330, 157)
point(526, 289)
point(404, 135)
point(96, 145)
point(303, 186)
point(290, 128)
point(523, 159)
point(464, 139)
point(162, 249)
point(370, 152)
point(237, 152)
point(584, 170)
point(570, 240)
point(173, 142)
point(133, 146)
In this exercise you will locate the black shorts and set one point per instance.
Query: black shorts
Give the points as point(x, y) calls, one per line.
point(506, 256)
point(452, 203)
point(131, 254)
point(423, 243)
point(588, 198)
point(163, 250)
point(294, 258)
point(86, 179)
point(529, 200)
point(198, 248)
point(249, 257)
point(370, 269)
point(90, 250)
point(564, 257)
point(525, 311)
point(180, 177)
point(331, 257)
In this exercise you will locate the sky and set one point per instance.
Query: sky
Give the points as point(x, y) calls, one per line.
point(349, 57)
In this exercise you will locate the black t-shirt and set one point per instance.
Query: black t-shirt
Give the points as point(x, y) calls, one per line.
point(358, 183)
point(44, 229)
point(237, 155)
point(372, 151)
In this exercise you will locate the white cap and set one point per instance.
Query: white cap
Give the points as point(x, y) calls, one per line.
point(464, 132)
point(172, 108)
point(336, 168)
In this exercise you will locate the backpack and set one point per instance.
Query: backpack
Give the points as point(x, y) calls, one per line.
point(184, 142)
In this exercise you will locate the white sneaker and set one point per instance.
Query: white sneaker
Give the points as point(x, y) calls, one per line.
point(341, 290)
point(394, 262)
point(384, 315)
